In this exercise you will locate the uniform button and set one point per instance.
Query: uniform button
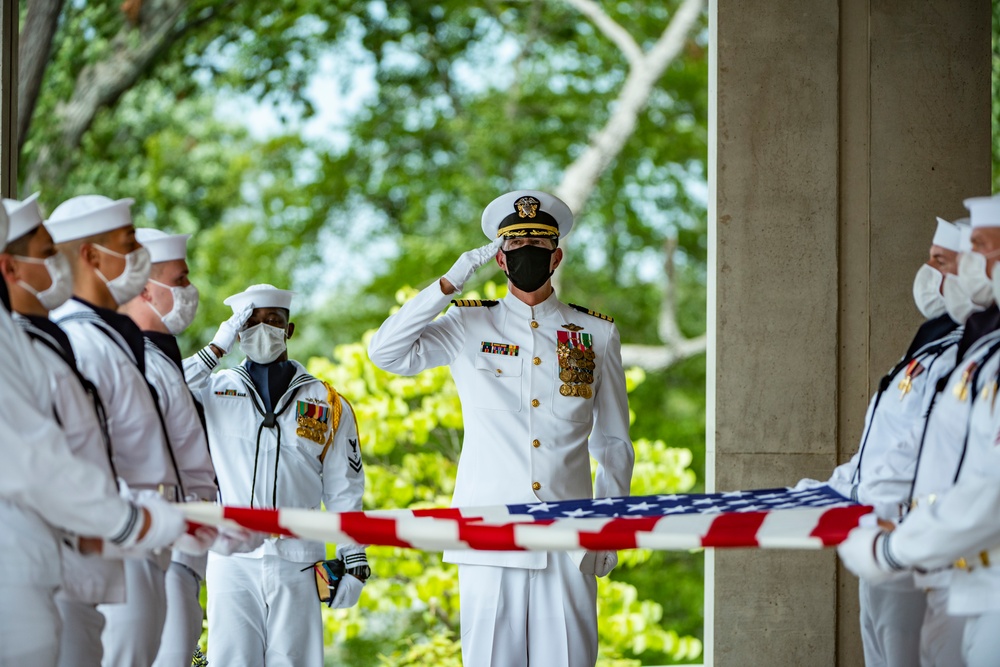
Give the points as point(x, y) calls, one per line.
point(536, 443)
point(534, 324)
point(536, 486)
point(536, 361)
point(534, 403)
point(499, 371)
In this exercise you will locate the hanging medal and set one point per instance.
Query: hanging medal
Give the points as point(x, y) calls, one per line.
point(961, 390)
point(576, 363)
point(913, 369)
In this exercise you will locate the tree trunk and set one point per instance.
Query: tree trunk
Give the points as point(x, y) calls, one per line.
point(35, 44)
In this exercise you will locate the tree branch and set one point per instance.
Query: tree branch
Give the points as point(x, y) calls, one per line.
point(581, 176)
point(34, 46)
point(610, 29)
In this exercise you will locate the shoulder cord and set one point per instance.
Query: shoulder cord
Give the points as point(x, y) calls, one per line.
point(942, 383)
point(883, 385)
point(91, 389)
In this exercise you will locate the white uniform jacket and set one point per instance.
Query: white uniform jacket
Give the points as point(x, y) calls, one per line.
point(975, 588)
point(893, 426)
point(89, 579)
point(279, 466)
point(35, 457)
point(940, 453)
point(529, 434)
point(142, 455)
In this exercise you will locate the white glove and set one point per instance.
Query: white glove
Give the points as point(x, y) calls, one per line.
point(469, 261)
point(863, 553)
point(226, 335)
point(348, 592)
point(166, 524)
point(599, 563)
point(808, 484)
point(236, 540)
point(198, 541)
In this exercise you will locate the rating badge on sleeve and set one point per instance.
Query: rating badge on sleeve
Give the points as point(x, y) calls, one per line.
point(576, 363)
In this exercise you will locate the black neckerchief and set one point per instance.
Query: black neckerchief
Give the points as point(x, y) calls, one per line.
point(126, 328)
point(977, 326)
point(271, 380)
point(4, 295)
point(54, 330)
point(166, 343)
point(930, 331)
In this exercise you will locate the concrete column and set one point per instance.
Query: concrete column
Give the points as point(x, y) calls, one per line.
point(841, 130)
point(8, 97)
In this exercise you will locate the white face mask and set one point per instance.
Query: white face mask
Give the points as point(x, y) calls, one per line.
point(133, 278)
point(185, 306)
point(61, 275)
point(957, 302)
point(262, 343)
point(972, 276)
point(927, 292)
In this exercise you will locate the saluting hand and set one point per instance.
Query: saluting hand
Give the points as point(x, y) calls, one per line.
point(466, 265)
point(226, 335)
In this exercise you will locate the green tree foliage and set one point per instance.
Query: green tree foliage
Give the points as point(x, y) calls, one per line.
point(447, 104)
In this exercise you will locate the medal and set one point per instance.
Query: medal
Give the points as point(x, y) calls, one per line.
point(566, 390)
point(961, 390)
point(576, 363)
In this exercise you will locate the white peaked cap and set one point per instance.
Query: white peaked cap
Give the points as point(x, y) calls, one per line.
point(24, 216)
point(948, 235)
point(984, 211)
point(533, 212)
point(261, 296)
point(964, 235)
point(88, 215)
point(162, 247)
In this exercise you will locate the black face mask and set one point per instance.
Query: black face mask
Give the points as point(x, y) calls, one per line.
point(528, 267)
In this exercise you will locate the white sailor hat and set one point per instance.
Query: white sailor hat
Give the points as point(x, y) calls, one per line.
point(24, 216)
point(964, 235)
point(88, 215)
point(527, 213)
point(984, 211)
point(947, 236)
point(261, 296)
point(162, 247)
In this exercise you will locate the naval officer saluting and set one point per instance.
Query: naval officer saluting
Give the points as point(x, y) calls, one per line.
point(542, 390)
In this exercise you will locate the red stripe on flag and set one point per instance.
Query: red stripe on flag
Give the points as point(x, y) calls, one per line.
point(834, 524)
point(617, 533)
point(440, 512)
point(738, 529)
point(493, 537)
point(371, 530)
point(264, 521)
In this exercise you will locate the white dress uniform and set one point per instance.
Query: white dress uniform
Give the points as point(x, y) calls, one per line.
point(263, 606)
point(939, 455)
point(164, 370)
point(35, 452)
point(529, 436)
point(975, 585)
point(142, 457)
point(87, 580)
point(892, 613)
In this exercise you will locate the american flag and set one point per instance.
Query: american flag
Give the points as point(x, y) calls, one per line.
point(769, 518)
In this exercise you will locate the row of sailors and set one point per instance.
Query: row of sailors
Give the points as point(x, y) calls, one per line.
point(928, 463)
point(107, 429)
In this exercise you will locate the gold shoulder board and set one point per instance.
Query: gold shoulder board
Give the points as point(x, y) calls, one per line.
point(471, 303)
point(593, 313)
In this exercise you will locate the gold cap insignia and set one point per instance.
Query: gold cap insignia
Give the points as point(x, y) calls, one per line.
point(526, 207)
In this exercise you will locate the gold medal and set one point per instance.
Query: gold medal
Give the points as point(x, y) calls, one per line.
point(905, 385)
point(576, 353)
point(566, 375)
point(584, 391)
point(590, 365)
point(566, 390)
point(589, 354)
point(589, 379)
